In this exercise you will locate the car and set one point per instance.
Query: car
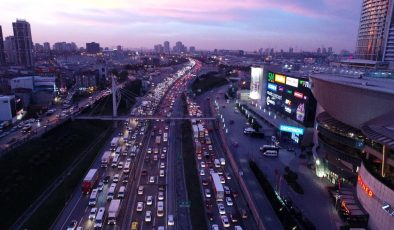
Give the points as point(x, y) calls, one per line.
point(207, 192)
point(140, 206)
point(92, 213)
point(162, 156)
point(202, 172)
point(162, 165)
point(235, 193)
point(149, 150)
point(229, 201)
point(106, 179)
point(204, 182)
point(100, 186)
point(148, 216)
point(228, 176)
point(202, 164)
point(155, 157)
point(210, 147)
point(234, 218)
point(140, 190)
point(222, 211)
point(73, 225)
point(151, 179)
point(215, 227)
point(244, 214)
point(160, 196)
point(164, 149)
point(144, 172)
point(225, 221)
point(149, 200)
point(125, 179)
point(226, 190)
point(120, 165)
point(170, 220)
point(116, 178)
point(161, 173)
point(161, 187)
point(237, 227)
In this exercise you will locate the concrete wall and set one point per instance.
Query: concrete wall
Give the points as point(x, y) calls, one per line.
point(378, 218)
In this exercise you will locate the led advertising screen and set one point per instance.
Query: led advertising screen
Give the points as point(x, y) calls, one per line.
point(292, 97)
point(256, 83)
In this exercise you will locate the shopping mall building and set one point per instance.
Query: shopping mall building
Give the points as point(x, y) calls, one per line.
point(355, 146)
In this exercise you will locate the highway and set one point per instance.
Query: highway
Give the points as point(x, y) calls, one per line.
point(152, 157)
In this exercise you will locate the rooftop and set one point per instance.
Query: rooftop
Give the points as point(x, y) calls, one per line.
point(372, 84)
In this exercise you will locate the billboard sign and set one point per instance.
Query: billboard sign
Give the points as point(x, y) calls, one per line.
point(292, 81)
point(256, 83)
point(291, 129)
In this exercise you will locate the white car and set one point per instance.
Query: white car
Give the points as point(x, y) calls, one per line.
point(207, 193)
point(92, 213)
point(237, 227)
point(215, 227)
point(202, 164)
point(225, 221)
point(148, 216)
point(202, 172)
point(222, 211)
point(140, 206)
point(116, 178)
point(161, 173)
point(140, 190)
point(164, 149)
point(149, 200)
point(170, 220)
point(162, 165)
point(229, 201)
point(160, 196)
point(152, 179)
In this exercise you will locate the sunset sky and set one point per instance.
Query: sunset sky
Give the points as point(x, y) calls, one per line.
point(206, 24)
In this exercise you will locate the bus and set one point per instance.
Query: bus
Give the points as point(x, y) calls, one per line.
point(100, 218)
point(93, 197)
point(111, 191)
point(126, 168)
point(270, 150)
point(105, 159)
point(217, 186)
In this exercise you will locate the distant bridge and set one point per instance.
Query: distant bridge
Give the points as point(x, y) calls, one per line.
point(122, 118)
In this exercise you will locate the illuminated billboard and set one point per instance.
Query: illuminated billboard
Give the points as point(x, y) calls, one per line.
point(256, 83)
point(292, 97)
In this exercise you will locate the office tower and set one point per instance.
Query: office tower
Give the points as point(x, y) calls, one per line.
point(318, 51)
point(23, 42)
point(324, 51)
point(119, 48)
point(330, 50)
point(92, 47)
point(2, 54)
point(291, 50)
point(192, 49)
point(167, 47)
point(10, 50)
point(47, 47)
point(373, 31)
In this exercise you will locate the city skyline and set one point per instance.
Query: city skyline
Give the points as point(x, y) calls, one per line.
point(249, 25)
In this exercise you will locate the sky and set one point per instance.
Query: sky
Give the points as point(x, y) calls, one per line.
point(206, 24)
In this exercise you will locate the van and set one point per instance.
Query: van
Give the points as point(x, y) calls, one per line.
point(121, 192)
point(222, 161)
point(217, 163)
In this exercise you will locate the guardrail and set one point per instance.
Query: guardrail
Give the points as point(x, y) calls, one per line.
point(241, 180)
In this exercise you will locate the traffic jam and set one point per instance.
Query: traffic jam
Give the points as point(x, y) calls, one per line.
point(219, 196)
point(107, 187)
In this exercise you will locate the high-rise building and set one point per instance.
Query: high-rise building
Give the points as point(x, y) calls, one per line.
point(291, 50)
point(47, 47)
point(192, 49)
point(166, 47)
point(330, 50)
point(2, 54)
point(23, 42)
point(373, 31)
point(10, 50)
point(318, 51)
point(93, 47)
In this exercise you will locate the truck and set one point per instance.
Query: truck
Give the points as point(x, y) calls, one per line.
point(217, 186)
point(195, 131)
point(114, 143)
point(198, 147)
point(201, 130)
point(113, 211)
point(105, 159)
point(158, 139)
point(89, 181)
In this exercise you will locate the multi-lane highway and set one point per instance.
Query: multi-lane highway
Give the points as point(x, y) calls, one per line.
point(149, 197)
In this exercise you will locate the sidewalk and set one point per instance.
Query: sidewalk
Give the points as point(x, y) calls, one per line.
point(315, 203)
